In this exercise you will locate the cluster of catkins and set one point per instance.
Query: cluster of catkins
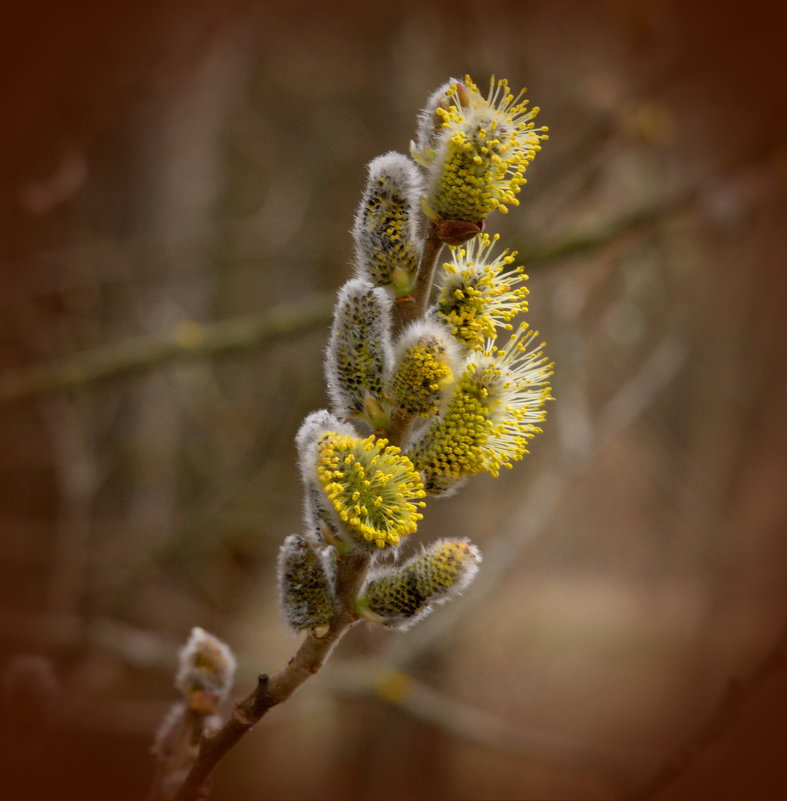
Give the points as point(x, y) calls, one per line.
point(462, 388)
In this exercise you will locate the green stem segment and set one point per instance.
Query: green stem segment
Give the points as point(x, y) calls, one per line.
point(413, 307)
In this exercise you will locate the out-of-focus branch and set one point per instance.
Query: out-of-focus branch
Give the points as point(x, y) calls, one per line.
point(605, 233)
point(370, 677)
point(189, 340)
point(194, 341)
point(735, 695)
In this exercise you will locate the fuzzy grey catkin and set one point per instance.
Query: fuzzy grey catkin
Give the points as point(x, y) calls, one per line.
point(306, 586)
point(398, 597)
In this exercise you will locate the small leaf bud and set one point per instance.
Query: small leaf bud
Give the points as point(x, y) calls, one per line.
point(206, 669)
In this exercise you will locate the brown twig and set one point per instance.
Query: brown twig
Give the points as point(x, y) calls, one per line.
point(188, 341)
point(244, 333)
point(176, 751)
point(272, 691)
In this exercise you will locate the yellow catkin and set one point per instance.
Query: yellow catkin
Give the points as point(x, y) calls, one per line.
point(373, 488)
point(480, 150)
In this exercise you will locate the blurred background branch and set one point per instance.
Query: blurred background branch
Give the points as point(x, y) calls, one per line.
point(188, 340)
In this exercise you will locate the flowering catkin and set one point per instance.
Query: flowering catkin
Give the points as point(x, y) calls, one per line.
point(373, 489)
point(475, 149)
point(386, 224)
point(426, 358)
point(495, 408)
point(358, 358)
point(400, 597)
point(480, 293)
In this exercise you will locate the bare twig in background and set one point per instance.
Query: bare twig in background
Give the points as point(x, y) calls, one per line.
point(718, 722)
point(190, 340)
point(468, 722)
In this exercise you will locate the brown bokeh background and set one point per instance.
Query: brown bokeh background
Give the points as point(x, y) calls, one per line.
point(170, 172)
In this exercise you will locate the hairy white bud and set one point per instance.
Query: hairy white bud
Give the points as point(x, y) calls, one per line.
point(359, 355)
point(306, 585)
point(426, 359)
point(386, 224)
point(206, 670)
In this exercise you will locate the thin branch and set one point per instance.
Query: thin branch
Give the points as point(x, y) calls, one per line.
point(606, 232)
point(175, 751)
point(351, 574)
point(460, 719)
point(735, 696)
point(244, 333)
point(413, 307)
point(198, 341)
point(190, 341)
point(240, 334)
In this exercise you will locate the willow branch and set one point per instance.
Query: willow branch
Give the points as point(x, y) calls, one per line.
point(352, 570)
point(187, 342)
point(363, 677)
